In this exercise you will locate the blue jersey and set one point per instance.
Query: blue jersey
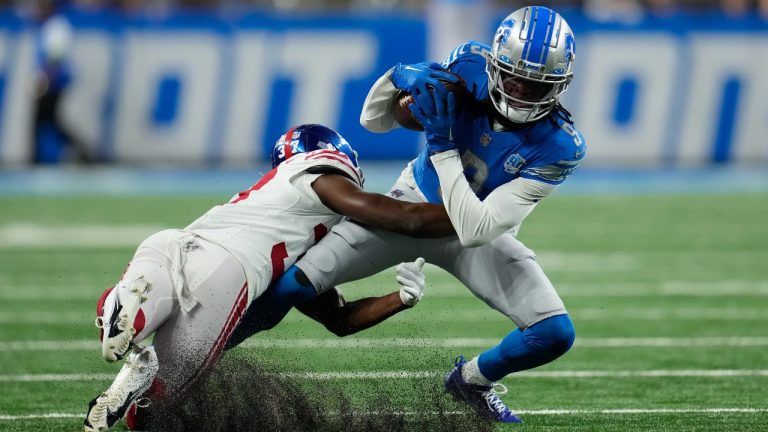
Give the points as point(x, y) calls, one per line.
point(547, 150)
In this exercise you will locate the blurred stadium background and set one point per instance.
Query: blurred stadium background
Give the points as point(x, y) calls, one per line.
point(119, 118)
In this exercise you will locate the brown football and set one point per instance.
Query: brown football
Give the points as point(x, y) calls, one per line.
point(406, 119)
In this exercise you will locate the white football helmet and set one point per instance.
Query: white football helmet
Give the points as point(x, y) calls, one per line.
point(530, 64)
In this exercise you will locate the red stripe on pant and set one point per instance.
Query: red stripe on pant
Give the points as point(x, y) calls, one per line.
point(237, 312)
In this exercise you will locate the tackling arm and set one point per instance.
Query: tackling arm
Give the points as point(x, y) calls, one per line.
point(344, 318)
point(344, 197)
point(478, 222)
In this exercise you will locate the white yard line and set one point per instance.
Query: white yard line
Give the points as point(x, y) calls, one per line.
point(24, 235)
point(306, 343)
point(54, 415)
point(464, 315)
point(377, 375)
point(441, 289)
point(546, 412)
point(58, 318)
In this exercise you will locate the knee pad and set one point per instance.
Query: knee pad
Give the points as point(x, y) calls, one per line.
point(554, 333)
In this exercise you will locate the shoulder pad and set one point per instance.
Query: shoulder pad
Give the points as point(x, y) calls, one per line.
point(469, 51)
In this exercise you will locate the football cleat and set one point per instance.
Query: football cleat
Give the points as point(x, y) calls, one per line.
point(133, 380)
point(118, 318)
point(484, 400)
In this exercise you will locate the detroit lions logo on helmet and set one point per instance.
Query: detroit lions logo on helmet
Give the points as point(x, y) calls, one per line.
point(505, 30)
point(570, 48)
point(514, 163)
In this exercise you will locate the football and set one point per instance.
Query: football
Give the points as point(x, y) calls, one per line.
point(406, 119)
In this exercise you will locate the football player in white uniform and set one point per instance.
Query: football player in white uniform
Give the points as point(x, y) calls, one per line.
point(490, 162)
point(191, 287)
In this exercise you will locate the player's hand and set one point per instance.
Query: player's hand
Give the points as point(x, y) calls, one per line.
point(418, 78)
point(411, 280)
point(437, 115)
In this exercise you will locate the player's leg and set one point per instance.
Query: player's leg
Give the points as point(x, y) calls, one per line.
point(140, 302)
point(190, 343)
point(505, 275)
point(186, 343)
point(267, 310)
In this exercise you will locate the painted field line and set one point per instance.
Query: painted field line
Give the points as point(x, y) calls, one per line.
point(622, 411)
point(467, 315)
point(22, 235)
point(378, 375)
point(439, 289)
point(57, 377)
point(545, 412)
point(58, 318)
point(256, 343)
point(54, 415)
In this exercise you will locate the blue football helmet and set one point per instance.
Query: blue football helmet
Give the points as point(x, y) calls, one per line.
point(307, 138)
point(530, 64)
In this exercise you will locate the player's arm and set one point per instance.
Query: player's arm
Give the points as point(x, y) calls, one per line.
point(343, 196)
point(344, 318)
point(478, 222)
point(377, 113)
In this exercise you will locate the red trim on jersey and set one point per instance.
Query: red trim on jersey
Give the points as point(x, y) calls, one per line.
point(336, 158)
point(341, 157)
point(320, 232)
point(237, 312)
point(278, 255)
point(264, 180)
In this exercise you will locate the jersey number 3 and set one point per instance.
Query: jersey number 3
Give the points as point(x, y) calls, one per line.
point(475, 170)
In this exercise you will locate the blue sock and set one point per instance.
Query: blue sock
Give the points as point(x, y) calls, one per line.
point(525, 349)
point(267, 310)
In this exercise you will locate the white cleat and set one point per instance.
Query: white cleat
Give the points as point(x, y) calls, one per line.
point(131, 382)
point(119, 316)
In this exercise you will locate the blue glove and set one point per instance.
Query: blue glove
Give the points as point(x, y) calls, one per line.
point(416, 78)
point(437, 115)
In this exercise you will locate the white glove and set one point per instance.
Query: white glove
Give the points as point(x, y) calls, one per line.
point(411, 280)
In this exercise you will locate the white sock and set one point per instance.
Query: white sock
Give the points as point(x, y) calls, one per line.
point(471, 373)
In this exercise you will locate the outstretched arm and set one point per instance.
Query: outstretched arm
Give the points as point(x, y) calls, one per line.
point(344, 197)
point(344, 318)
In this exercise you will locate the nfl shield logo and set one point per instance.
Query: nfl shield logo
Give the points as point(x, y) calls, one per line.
point(485, 139)
point(513, 163)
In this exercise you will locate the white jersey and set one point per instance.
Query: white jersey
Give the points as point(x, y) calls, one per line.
point(270, 225)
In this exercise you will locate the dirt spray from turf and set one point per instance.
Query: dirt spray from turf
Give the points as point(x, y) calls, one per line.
point(241, 395)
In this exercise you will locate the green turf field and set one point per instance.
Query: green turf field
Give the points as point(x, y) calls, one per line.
point(669, 296)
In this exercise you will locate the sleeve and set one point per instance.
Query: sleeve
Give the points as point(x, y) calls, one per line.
point(321, 162)
point(561, 162)
point(478, 222)
point(377, 115)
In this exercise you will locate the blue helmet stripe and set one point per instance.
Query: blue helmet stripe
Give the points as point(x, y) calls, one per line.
point(531, 12)
point(542, 31)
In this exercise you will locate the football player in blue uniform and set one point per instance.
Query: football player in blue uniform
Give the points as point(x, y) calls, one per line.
point(489, 161)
